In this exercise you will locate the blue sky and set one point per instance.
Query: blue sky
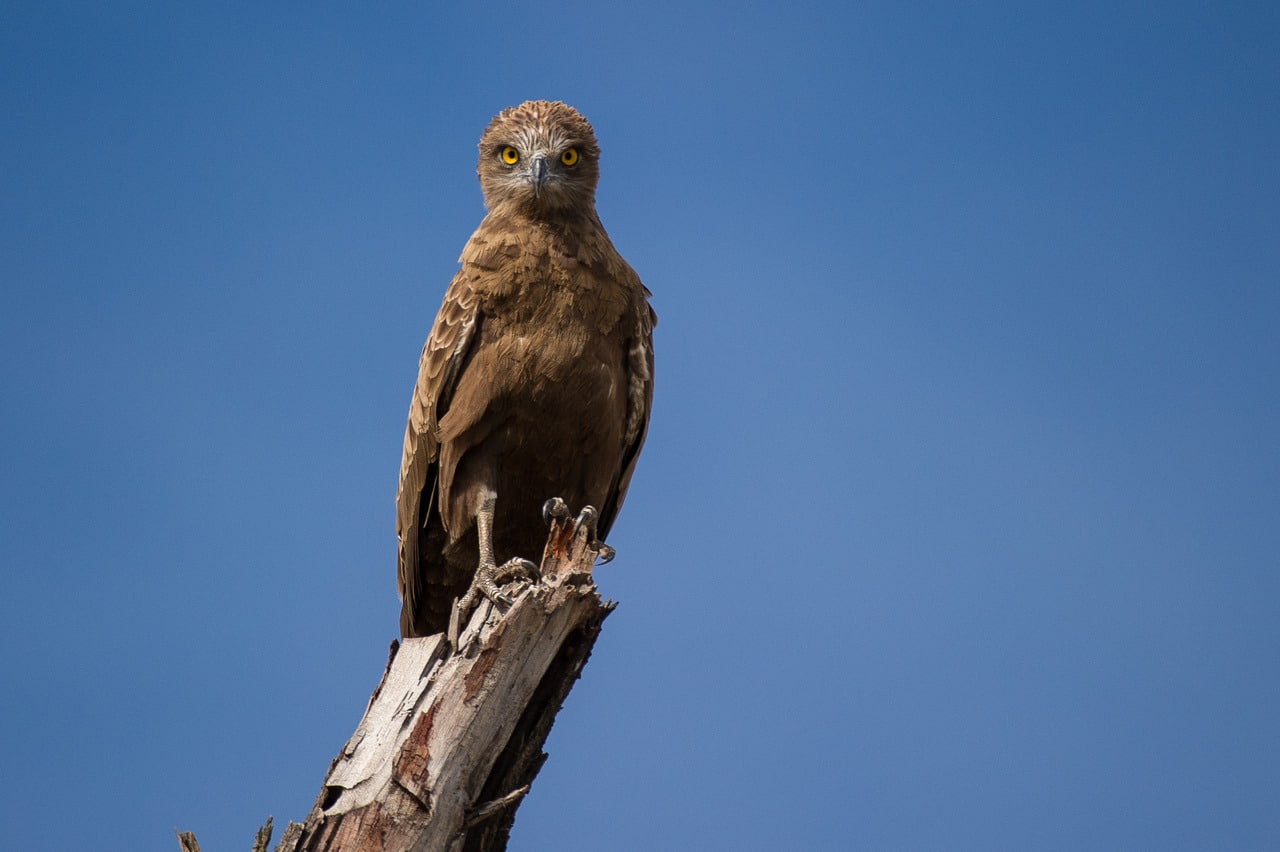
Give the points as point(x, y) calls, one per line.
point(957, 523)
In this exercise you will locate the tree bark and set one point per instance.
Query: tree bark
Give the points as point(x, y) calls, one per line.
point(452, 739)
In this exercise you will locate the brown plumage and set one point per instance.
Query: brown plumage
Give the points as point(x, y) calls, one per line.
point(537, 377)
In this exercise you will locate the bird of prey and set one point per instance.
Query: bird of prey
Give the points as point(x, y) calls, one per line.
point(536, 379)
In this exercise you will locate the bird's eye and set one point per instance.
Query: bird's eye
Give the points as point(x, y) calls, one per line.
point(569, 157)
point(510, 156)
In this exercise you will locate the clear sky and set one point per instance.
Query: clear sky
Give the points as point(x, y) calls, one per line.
point(958, 526)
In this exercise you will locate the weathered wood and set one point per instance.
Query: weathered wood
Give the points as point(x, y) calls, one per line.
point(263, 838)
point(452, 739)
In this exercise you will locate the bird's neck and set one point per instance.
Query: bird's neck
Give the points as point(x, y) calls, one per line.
point(554, 220)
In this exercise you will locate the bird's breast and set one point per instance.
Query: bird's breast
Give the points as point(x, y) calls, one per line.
point(545, 363)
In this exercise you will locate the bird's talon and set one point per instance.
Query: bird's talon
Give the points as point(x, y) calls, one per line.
point(516, 569)
point(604, 553)
point(553, 509)
point(587, 521)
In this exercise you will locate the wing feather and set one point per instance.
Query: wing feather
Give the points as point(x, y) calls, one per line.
point(639, 404)
point(442, 359)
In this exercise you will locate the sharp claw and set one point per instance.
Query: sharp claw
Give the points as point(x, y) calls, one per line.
point(587, 520)
point(514, 568)
point(459, 614)
point(487, 582)
point(490, 577)
point(554, 508)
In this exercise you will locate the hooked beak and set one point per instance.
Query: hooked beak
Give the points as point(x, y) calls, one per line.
point(538, 173)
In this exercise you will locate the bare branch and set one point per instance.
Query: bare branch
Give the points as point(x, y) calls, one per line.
point(452, 739)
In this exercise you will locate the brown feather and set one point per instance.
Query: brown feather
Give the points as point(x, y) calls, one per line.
point(537, 378)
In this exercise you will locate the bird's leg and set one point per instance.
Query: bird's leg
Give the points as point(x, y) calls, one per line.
point(488, 574)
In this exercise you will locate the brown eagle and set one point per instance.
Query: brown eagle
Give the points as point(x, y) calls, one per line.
point(536, 380)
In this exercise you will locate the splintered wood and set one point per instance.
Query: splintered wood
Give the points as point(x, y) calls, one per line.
point(451, 739)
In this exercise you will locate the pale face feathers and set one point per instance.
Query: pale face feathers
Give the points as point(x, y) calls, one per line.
point(540, 157)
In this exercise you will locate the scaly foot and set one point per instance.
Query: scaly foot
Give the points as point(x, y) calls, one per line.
point(488, 580)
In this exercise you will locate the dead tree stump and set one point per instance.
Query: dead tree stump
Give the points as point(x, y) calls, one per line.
point(452, 739)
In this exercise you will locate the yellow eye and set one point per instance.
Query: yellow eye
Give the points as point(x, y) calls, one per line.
point(569, 157)
point(510, 156)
